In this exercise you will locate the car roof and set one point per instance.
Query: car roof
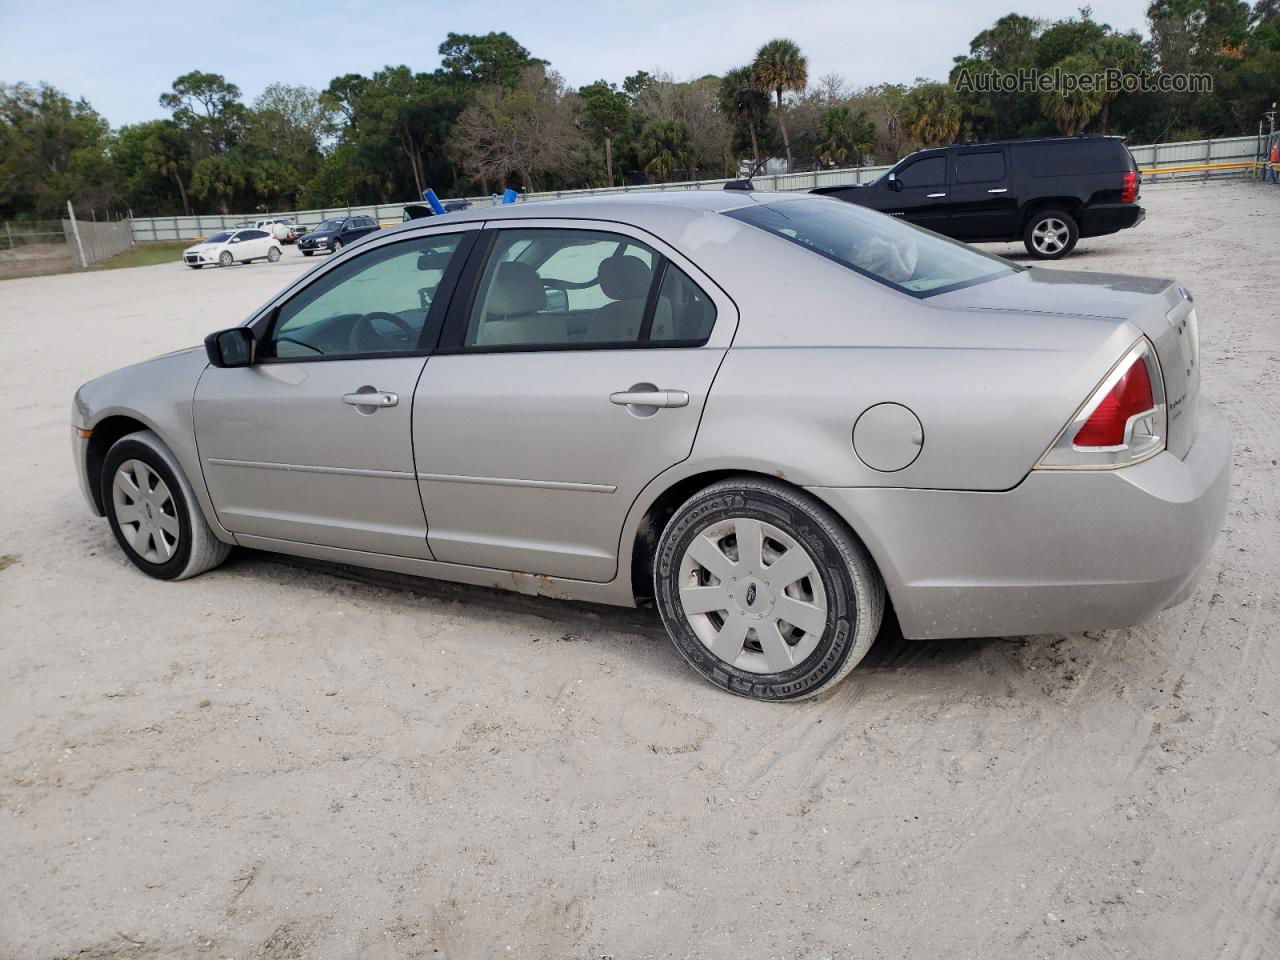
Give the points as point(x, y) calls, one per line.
point(649, 208)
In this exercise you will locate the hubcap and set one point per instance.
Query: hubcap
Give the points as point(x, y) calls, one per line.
point(752, 595)
point(145, 511)
point(1050, 235)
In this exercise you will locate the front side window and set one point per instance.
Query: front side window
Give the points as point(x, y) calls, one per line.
point(929, 172)
point(883, 248)
point(221, 237)
point(328, 226)
point(551, 288)
point(375, 303)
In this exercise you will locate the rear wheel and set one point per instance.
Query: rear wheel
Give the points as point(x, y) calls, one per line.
point(225, 259)
point(153, 511)
point(1050, 234)
point(273, 254)
point(763, 590)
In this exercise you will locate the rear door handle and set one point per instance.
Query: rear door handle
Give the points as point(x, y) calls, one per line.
point(998, 190)
point(934, 196)
point(371, 398)
point(650, 398)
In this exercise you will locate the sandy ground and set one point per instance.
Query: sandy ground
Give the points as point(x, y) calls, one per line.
point(274, 761)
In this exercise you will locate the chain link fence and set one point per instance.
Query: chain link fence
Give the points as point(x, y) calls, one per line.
point(94, 241)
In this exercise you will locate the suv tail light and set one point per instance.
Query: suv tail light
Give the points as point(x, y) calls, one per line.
point(1129, 188)
point(1123, 421)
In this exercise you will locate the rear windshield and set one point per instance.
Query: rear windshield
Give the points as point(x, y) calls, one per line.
point(894, 253)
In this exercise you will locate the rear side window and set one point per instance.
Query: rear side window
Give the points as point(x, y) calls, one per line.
point(980, 167)
point(887, 250)
point(555, 289)
point(1062, 158)
point(929, 172)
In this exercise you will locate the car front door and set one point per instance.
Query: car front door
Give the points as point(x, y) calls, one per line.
point(983, 205)
point(572, 371)
point(920, 194)
point(312, 442)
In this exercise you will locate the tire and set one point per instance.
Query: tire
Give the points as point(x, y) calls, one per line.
point(840, 592)
point(337, 246)
point(1050, 234)
point(273, 254)
point(225, 259)
point(175, 548)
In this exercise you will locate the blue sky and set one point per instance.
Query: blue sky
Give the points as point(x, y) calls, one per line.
point(122, 54)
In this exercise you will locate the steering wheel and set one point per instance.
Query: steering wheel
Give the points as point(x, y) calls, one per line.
point(364, 324)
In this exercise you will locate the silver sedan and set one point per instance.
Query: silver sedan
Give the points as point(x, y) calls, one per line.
point(765, 414)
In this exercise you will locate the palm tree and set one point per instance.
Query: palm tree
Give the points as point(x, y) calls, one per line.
point(667, 146)
point(779, 67)
point(932, 115)
point(742, 100)
point(1072, 110)
point(843, 134)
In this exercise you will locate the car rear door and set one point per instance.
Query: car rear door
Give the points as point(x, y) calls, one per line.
point(921, 194)
point(983, 203)
point(288, 448)
point(540, 419)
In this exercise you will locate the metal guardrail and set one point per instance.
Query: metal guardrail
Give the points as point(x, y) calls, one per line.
point(1160, 161)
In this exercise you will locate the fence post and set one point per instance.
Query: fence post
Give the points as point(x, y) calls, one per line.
point(1208, 152)
point(8, 233)
point(75, 230)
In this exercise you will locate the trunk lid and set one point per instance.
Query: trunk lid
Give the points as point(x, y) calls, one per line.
point(1161, 309)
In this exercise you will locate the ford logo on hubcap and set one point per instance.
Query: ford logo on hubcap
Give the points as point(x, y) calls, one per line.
point(751, 595)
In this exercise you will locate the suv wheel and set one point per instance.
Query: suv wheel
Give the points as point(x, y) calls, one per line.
point(764, 592)
point(1050, 234)
point(337, 246)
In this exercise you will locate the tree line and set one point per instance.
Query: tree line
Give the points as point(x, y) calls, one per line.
point(493, 116)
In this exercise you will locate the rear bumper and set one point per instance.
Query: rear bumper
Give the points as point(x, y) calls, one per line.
point(1107, 218)
point(1064, 551)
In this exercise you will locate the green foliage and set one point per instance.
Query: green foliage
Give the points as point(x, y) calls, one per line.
point(493, 114)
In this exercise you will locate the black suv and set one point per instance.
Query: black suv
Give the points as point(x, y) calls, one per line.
point(1046, 193)
point(335, 234)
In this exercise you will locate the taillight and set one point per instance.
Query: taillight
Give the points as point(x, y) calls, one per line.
point(1129, 187)
point(1123, 421)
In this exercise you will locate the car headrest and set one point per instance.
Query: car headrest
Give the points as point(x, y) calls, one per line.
point(625, 278)
point(516, 289)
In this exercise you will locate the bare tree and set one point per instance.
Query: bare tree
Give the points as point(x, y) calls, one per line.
point(530, 130)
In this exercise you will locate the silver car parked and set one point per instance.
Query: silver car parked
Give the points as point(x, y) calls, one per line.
point(762, 413)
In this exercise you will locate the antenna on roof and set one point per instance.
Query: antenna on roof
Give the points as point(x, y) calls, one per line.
point(739, 184)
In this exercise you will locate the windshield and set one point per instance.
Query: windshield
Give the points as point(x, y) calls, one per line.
point(328, 225)
point(889, 251)
point(222, 237)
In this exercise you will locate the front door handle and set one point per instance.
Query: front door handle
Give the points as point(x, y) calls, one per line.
point(371, 398)
point(650, 398)
point(934, 196)
point(998, 190)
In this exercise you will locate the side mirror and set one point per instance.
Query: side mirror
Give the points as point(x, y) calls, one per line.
point(230, 348)
point(895, 184)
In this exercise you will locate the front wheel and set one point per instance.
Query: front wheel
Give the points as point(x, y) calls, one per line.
point(153, 511)
point(273, 254)
point(337, 246)
point(764, 591)
point(1050, 234)
point(225, 259)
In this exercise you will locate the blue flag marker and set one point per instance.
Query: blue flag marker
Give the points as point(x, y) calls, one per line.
point(429, 195)
point(509, 196)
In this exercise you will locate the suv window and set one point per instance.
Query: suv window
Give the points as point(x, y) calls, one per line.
point(927, 172)
point(983, 167)
point(568, 289)
point(377, 302)
point(887, 250)
point(1060, 158)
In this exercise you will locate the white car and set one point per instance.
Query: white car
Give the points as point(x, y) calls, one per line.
point(233, 246)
